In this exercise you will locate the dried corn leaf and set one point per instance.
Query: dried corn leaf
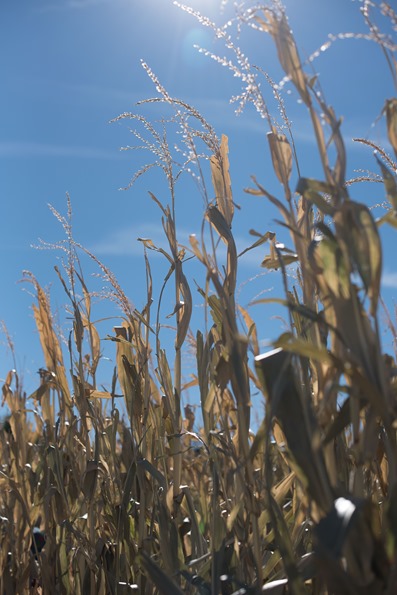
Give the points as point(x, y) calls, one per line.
point(312, 190)
point(274, 263)
point(203, 362)
point(391, 122)
point(280, 490)
point(390, 218)
point(328, 260)
point(356, 226)
point(252, 332)
point(133, 395)
point(148, 243)
point(261, 191)
point(348, 532)
point(281, 154)
point(99, 394)
point(217, 220)
point(155, 473)
point(303, 348)
point(49, 342)
point(390, 183)
point(285, 547)
point(184, 313)
point(170, 232)
point(277, 25)
point(161, 579)
point(90, 477)
point(342, 419)
point(269, 235)
point(233, 515)
point(221, 181)
point(124, 351)
point(95, 341)
point(276, 372)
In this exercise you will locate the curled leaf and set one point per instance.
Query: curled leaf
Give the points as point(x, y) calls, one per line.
point(218, 221)
point(363, 247)
point(276, 24)
point(221, 181)
point(391, 122)
point(281, 153)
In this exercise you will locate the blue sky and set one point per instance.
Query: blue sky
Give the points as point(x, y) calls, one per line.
point(70, 66)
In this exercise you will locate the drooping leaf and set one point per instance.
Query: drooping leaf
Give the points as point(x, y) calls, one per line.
point(277, 25)
point(272, 263)
point(313, 191)
point(269, 235)
point(215, 217)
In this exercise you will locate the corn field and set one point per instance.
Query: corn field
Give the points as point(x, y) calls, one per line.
point(116, 491)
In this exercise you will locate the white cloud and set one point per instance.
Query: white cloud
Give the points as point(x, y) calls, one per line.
point(124, 242)
point(56, 5)
point(389, 279)
point(35, 149)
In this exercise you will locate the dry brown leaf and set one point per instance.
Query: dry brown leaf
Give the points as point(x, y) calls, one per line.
point(391, 122)
point(221, 181)
point(281, 154)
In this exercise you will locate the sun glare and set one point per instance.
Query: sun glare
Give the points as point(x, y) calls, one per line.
point(195, 38)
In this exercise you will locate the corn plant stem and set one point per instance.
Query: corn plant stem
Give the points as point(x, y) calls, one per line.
point(283, 541)
point(240, 385)
point(146, 372)
point(214, 577)
point(91, 521)
point(142, 528)
point(118, 551)
point(320, 144)
point(142, 515)
point(177, 443)
point(177, 455)
point(257, 548)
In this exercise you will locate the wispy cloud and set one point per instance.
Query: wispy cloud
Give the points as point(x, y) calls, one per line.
point(57, 5)
point(35, 149)
point(389, 279)
point(124, 241)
